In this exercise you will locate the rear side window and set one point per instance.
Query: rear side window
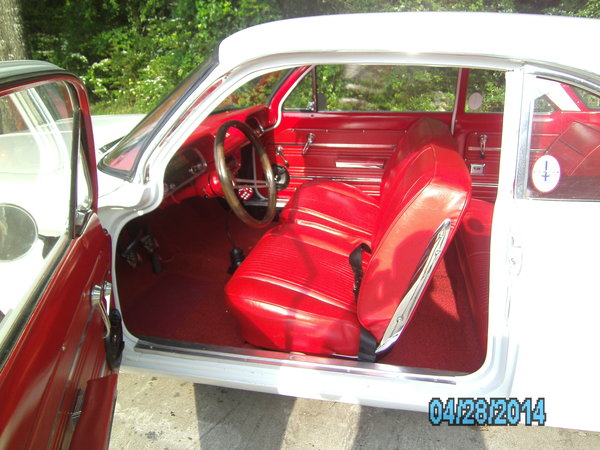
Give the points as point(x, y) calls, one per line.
point(375, 88)
point(485, 91)
point(564, 151)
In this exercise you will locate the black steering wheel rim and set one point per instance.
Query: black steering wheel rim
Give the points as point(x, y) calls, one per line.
point(228, 181)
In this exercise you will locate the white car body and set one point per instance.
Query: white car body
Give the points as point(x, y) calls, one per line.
point(543, 332)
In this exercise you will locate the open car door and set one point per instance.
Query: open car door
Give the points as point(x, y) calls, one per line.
point(59, 347)
point(553, 310)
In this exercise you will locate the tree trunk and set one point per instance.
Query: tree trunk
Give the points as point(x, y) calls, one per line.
point(12, 32)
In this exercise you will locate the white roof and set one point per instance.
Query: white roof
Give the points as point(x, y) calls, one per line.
point(550, 40)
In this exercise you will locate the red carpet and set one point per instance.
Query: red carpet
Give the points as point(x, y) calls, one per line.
point(185, 301)
point(442, 333)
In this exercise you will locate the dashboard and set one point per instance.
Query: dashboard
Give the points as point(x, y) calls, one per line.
point(185, 166)
point(191, 171)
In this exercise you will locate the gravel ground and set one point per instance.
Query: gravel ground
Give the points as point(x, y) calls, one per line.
point(153, 413)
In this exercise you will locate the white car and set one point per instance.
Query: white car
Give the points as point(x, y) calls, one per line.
point(397, 210)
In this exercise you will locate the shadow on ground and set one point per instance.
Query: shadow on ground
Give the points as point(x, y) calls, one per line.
point(155, 413)
point(229, 418)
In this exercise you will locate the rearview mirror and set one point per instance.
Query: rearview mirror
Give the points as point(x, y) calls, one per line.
point(18, 232)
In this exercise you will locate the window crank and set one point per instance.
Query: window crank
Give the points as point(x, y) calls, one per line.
point(279, 151)
point(482, 143)
point(309, 142)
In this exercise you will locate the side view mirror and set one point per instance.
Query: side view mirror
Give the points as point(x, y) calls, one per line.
point(18, 232)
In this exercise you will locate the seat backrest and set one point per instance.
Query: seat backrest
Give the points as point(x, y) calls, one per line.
point(423, 132)
point(578, 150)
point(426, 188)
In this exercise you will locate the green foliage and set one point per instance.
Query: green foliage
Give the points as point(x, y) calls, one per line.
point(378, 88)
point(255, 92)
point(491, 85)
point(131, 54)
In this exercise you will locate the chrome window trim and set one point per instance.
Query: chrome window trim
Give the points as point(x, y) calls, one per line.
point(531, 73)
point(285, 97)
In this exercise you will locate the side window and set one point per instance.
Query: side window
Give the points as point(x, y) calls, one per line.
point(255, 92)
point(568, 165)
point(37, 129)
point(301, 98)
point(377, 88)
point(485, 91)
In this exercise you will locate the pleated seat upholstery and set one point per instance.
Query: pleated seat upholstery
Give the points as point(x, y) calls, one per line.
point(294, 291)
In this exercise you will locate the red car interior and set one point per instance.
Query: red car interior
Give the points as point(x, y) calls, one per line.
point(295, 290)
point(442, 333)
point(346, 208)
point(359, 182)
point(473, 245)
point(577, 150)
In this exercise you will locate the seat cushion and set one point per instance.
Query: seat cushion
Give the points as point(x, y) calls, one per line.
point(333, 206)
point(294, 292)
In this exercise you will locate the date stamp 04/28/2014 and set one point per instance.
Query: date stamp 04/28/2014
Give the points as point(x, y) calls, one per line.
point(493, 411)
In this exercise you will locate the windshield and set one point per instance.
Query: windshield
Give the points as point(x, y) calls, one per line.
point(122, 160)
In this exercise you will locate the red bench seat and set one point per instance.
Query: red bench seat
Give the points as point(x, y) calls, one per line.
point(294, 291)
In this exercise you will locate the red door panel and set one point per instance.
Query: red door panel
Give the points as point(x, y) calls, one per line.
point(53, 341)
point(348, 147)
point(483, 162)
point(59, 350)
point(93, 428)
point(479, 137)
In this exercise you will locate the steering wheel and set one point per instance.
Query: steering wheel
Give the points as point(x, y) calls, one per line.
point(229, 184)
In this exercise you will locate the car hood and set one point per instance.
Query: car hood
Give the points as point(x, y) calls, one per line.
point(107, 129)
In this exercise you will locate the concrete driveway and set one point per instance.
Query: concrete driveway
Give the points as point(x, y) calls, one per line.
point(155, 413)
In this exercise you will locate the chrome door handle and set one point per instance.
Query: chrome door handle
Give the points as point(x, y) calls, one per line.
point(98, 294)
point(309, 141)
point(482, 143)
